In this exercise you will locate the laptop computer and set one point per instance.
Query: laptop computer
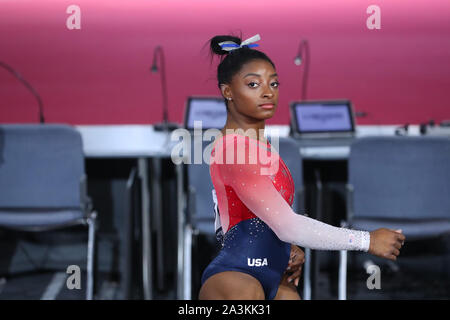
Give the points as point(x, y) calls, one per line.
point(211, 112)
point(323, 122)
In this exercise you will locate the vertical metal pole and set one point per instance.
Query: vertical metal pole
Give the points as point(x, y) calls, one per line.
point(157, 218)
point(187, 271)
point(146, 230)
point(307, 275)
point(90, 257)
point(315, 255)
point(180, 232)
point(343, 275)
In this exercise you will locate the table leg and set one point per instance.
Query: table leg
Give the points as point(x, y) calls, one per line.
point(146, 230)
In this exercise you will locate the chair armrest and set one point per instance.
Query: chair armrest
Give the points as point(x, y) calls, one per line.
point(300, 195)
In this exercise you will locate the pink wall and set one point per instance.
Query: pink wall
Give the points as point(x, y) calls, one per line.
point(100, 74)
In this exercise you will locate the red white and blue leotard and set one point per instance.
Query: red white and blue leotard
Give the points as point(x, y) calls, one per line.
point(255, 192)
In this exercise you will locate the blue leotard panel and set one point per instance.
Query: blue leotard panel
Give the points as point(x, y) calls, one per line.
point(253, 248)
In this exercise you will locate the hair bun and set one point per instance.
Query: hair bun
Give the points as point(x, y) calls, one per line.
point(217, 49)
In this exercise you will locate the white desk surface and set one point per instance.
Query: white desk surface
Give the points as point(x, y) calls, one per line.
point(136, 141)
point(122, 141)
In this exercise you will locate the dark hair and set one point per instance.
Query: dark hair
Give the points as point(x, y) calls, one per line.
point(232, 61)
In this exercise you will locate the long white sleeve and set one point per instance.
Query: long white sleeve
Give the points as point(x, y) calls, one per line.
point(258, 193)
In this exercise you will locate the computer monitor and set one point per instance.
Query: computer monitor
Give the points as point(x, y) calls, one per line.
point(332, 118)
point(211, 111)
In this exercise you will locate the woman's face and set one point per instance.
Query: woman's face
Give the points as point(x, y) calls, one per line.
point(254, 86)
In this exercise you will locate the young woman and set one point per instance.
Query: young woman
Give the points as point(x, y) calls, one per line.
point(255, 198)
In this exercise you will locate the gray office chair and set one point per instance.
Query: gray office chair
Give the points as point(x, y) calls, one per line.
point(200, 211)
point(398, 183)
point(43, 183)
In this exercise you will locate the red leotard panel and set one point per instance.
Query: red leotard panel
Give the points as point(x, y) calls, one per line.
point(237, 210)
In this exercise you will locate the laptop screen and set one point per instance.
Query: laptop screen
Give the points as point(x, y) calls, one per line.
point(211, 111)
point(322, 117)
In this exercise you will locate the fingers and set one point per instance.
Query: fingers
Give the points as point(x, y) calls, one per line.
point(393, 252)
point(400, 240)
point(292, 258)
point(390, 256)
point(295, 262)
point(295, 276)
point(297, 251)
point(400, 235)
point(295, 266)
point(388, 244)
point(301, 254)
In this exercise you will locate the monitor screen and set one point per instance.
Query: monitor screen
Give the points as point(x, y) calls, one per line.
point(211, 111)
point(323, 117)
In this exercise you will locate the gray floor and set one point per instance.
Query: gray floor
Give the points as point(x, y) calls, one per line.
point(393, 287)
point(52, 286)
point(405, 283)
point(421, 272)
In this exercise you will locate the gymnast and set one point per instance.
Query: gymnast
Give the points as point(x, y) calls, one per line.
point(260, 257)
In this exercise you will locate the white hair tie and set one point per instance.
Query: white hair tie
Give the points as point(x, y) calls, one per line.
point(231, 45)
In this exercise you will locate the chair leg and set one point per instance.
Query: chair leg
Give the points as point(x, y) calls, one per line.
point(343, 275)
point(90, 257)
point(187, 272)
point(307, 275)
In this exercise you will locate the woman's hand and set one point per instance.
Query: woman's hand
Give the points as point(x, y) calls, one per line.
point(386, 243)
point(296, 260)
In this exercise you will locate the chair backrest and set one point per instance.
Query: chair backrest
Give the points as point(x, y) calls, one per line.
point(41, 166)
point(400, 177)
point(200, 187)
point(290, 153)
